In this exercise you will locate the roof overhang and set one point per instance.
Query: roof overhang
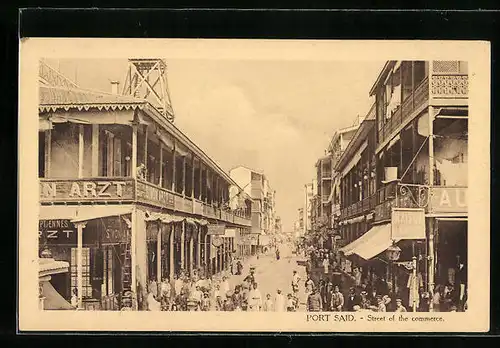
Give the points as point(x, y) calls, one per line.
point(383, 74)
point(355, 143)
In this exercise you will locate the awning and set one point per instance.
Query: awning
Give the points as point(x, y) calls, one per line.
point(50, 266)
point(97, 212)
point(163, 217)
point(372, 243)
point(53, 300)
point(82, 212)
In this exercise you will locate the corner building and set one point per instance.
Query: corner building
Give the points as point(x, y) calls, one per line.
point(418, 203)
point(125, 196)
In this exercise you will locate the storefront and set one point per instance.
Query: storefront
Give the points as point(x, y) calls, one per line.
point(104, 239)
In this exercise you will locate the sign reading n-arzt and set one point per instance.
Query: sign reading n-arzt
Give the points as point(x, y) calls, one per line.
point(408, 223)
point(102, 189)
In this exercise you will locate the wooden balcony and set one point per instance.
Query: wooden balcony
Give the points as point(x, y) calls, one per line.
point(128, 190)
point(442, 89)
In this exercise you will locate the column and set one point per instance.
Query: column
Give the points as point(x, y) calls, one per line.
point(133, 240)
point(79, 261)
point(95, 150)
point(134, 151)
point(192, 176)
point(158, 253)
point(183, 176)
point(198, 249)
point(183, 236)
point(80, 151)
point(217, 260)
point(146, 151)
point(201, 180)
point(161, 164)
point(206, 246)
point(191, 252)
point(430, 260)
point(171, 265)
point(48, 152)
point(174, 164)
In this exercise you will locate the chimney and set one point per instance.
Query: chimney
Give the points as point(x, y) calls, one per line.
point(114, 87)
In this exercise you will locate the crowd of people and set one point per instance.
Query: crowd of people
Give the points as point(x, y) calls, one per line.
point(196, 292)
point(339, 289)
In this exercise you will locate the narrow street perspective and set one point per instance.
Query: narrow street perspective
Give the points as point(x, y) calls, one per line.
point(218, 185)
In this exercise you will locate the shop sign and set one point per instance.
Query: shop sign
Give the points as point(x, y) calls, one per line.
point(216, 229)
point(151, 194)
point(217, 241)
point(116, 230)
point(86, 190)
point(230, 232)
point(449, 199)
point(408, 223)
point(60, 231)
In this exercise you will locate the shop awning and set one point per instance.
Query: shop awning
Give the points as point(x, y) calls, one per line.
point(82, 212)
point(53, 300)
point(372, 243)
point(97, 212)
point(168, 218)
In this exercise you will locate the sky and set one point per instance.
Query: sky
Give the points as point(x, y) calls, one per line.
point(273, 116)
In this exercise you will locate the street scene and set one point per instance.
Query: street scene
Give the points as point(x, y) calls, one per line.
point(179, 185)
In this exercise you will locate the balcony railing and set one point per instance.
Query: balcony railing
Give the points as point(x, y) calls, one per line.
point(128, 190)
point(414, 101)
point(361, 207)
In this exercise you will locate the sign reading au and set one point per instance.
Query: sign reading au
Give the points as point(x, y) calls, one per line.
point(449, 200)
point(408, 223)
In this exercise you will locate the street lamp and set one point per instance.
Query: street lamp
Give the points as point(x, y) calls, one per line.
point(393, 252)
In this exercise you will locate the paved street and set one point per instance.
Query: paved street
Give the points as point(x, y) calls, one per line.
point(272, 274)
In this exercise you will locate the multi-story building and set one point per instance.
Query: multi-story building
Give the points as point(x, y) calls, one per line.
point(125, 196)
point(256, 184)
point(420, 197)
point(336, 148)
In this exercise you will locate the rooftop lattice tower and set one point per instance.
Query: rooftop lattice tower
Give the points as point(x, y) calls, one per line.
point(147, 79)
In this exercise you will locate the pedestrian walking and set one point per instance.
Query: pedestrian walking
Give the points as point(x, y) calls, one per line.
point(399, 306)
point(290, 303)
point(279, 302)
point(153, 304)
point(314, 302)
point(295, 282)
point(326, 265)
point(225, 287)
point(237, 298)
point(309, 285)
point(254, 299)
point(337, 301)
point(165, 294)
point(326, 294)
point(268, 304)
point(277, 253)
point(352, 300)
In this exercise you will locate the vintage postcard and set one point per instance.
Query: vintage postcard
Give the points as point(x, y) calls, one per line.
point(254, 185)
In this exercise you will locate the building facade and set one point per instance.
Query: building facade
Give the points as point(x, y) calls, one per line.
point(413, 214)
point(125, 197)
point(257, 186)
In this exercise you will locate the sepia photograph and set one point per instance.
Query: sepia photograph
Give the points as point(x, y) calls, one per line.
point(334, 188)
